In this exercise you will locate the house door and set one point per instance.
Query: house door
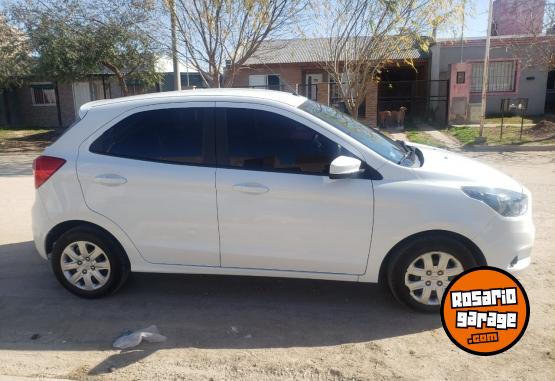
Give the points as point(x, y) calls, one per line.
point(312, 82)
point(81, 95)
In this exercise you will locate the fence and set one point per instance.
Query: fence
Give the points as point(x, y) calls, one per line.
point(426, 100)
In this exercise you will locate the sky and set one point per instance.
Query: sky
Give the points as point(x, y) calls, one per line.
point(476, 21)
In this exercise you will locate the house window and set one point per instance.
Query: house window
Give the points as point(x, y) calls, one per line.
point(43, 94)
point(460, 77)
point(264, 81)
point(501, 76)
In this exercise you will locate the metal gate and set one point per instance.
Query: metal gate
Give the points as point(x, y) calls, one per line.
point(550, 93)
point(426, 101)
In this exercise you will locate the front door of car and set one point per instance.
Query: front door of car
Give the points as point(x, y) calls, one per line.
point(277, 207)
point(153, 173)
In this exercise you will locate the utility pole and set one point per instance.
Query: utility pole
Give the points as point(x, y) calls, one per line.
point(176, 73)
point(485, 75)
point(462, 31)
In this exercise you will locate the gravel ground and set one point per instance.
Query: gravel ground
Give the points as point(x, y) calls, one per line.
point(253, 328)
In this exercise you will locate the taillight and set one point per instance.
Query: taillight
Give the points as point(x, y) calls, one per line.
point(44, 167)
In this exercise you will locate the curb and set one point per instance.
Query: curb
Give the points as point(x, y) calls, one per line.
point(508, 148)
point(17, 378)
point(492, 125)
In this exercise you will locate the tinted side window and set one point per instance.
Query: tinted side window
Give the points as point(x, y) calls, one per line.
point(262, 140)
point(175, 135)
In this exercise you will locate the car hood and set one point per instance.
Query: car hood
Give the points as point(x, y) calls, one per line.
point(443, 165)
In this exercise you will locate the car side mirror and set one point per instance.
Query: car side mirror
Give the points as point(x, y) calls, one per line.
point(345, 167)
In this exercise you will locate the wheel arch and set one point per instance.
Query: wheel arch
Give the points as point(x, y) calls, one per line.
point(63, 227)
point(476, 252)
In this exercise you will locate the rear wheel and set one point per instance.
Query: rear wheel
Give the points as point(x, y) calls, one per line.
point(88, 262)
point(420, 271)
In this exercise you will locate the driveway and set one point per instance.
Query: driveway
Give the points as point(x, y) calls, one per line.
point(252, 328)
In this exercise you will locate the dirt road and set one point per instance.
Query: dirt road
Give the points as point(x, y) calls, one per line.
point(225, 328)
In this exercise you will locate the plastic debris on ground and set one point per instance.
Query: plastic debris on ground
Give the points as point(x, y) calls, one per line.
point(131, 339)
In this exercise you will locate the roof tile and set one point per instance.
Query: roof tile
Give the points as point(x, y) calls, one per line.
point(309, 50)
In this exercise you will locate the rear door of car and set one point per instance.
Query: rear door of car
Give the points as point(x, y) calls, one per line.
point(152, 172)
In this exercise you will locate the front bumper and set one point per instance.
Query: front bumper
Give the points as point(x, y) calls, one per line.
point(508, 241)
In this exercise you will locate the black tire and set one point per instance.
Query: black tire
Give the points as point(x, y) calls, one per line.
point(404, 255)
point(119, 265)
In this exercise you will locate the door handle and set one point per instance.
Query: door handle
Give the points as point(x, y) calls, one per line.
point(252, 188)
point(110, 179)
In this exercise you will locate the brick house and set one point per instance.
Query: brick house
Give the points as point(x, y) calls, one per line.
point(44, 103)
point(443, 86)
point(292, 65)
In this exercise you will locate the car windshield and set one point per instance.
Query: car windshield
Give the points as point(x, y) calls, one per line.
point(372, 139)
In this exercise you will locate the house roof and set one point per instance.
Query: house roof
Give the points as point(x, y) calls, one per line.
point(496, 40)
point(308, 50)
point(165, 65)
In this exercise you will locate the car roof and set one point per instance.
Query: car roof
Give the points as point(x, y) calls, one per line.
point(184, 95)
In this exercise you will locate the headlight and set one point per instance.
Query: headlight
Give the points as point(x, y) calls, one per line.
point(503, 201)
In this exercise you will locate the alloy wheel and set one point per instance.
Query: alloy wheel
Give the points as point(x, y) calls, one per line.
point(429, 274)
point(85, 265)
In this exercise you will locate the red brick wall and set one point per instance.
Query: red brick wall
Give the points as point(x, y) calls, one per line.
point(372, 106)
point(32, 115)
point(323, 93)
point(24, 113)
point(293, 74)
point(65, 93)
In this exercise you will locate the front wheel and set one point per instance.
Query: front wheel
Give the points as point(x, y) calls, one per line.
point(420, 271)
point(88, 262)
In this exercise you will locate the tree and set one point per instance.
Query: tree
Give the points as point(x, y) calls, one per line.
point(535, 48)
point(75, 38)
point(220, 35)
point(362, 37)
point(15, 60)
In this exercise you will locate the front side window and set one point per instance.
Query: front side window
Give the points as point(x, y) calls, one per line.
point(43, 94)
point(262, 140)
point(174, 135)
point(501, 76)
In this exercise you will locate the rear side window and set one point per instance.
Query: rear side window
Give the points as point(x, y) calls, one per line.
point(262, 140)
point(174, 135)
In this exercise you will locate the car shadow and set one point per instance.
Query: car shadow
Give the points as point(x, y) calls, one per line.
point(208, 312)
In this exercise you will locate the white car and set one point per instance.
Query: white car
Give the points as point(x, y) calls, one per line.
point(266, 183)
